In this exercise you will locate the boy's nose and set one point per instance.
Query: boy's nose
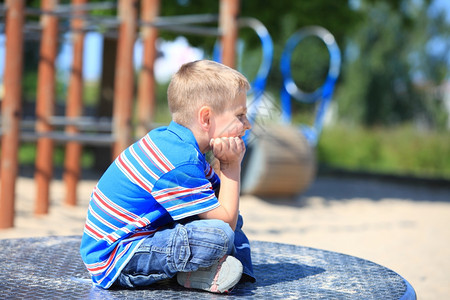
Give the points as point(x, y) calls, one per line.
point(247, 124)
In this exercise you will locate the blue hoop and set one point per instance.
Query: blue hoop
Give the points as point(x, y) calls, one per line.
point(323, 93)
point(258, 85)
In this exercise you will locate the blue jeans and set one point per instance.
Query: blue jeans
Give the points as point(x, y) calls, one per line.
point(177, 248)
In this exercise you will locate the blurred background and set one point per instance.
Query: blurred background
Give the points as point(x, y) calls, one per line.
point(390, 112)
point(389, 117)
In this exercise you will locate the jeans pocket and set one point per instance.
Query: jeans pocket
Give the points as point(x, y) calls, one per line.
point(207, 245)
point(199, 244)
point(179, 252)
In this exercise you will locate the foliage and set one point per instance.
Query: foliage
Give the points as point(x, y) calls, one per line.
point(281, 18)
point(396, 150)
point(384, 46)
point(27, 156)
point(380, 84)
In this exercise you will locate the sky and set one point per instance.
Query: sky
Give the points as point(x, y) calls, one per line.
point(175, 52)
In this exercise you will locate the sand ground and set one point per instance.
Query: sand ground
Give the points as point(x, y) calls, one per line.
point(405, 227)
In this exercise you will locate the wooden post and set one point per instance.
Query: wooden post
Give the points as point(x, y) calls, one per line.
point(11, 110)
point(229, 10)
point(74, 108)
point(124, 80)
point(102, 153)
point(45, 103)
point(146, 88)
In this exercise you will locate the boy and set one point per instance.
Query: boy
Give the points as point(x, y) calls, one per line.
point(157, 212)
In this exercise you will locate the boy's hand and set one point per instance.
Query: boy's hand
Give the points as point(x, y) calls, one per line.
point(228, 150)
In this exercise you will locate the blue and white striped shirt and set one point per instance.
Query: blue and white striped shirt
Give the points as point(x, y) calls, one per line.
point(162, 178)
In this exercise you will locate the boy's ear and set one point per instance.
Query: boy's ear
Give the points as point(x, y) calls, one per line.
point(204, 117)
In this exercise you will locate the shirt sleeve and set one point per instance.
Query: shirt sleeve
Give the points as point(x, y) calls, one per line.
point(185, 191)
point(212, 176)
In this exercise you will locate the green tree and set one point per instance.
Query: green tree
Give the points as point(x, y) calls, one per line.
point(379, 85)
point(282, 19)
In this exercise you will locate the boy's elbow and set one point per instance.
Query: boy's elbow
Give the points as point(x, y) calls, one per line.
point(230, 220)
point(233, 227)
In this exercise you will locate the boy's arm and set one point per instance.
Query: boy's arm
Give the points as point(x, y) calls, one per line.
point(229, 151)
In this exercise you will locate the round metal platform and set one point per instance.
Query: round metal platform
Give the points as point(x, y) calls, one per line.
point(51, 268)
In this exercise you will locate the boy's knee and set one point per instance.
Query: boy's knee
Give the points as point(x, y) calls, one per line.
point(214, 231)
point(200, 243)
point(225, 227)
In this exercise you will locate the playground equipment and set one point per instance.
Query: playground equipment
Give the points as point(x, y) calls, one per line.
point(48, 30)
point(280, 161)
point(322, 95)
point(280, 157)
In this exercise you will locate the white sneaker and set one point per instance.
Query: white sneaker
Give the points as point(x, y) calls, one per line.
point(221, 277)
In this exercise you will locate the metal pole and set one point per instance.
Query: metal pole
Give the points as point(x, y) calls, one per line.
point(146, 88)
point(45, 103)
point(11, 110)
point(74, 108)
point(229, 10)
point(124, 80)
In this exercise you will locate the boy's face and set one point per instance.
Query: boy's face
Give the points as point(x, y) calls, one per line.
point(233, 121)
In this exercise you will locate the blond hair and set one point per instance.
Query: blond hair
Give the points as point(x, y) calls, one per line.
point(200, 83)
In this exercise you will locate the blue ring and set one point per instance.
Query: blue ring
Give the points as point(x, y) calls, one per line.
point(333, 70)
